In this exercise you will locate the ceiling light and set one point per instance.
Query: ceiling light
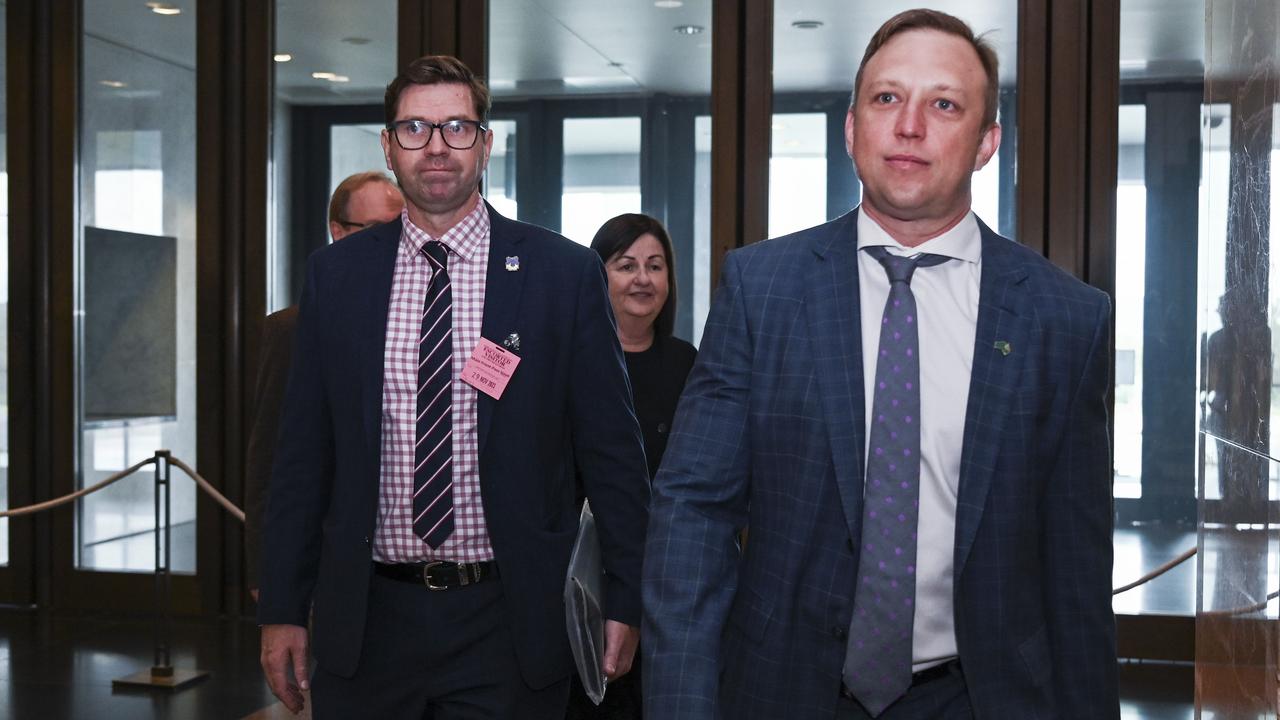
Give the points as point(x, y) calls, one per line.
point(689, 29)
point(339, 78)
point(160, 8)
point(668, 3)
point(323, 75)
point(282, 57)
point(807, 24)
point(113, 83)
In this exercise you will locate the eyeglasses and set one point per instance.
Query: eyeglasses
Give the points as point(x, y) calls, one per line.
point(416, 134)
point(353, 226)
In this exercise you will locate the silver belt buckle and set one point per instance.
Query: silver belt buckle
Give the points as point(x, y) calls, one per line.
point(426, 575)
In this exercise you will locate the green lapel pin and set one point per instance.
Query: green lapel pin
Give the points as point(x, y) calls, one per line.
point(1004, 347)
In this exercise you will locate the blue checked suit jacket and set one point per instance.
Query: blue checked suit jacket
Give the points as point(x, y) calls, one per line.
point(567, 410)
point(769, 435)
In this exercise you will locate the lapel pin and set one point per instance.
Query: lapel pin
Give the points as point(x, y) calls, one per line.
point(512, 342)
point(1004, 347)
point(513, 263)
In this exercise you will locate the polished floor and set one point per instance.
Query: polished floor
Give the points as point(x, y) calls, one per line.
point(60, 665)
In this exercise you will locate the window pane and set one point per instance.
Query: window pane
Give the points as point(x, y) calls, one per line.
point(601, 173)
point(500, 180)
point(136, 280)
point(797, 172)
point(330, 74)
point(608, 105)
point(1131, 244)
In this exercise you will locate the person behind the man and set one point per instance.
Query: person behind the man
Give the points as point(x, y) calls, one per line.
point(359, 202)
point(430, 521)
point(909, 413)
point(362, 201)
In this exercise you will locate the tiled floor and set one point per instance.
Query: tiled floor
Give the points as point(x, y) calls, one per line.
point(55, 666)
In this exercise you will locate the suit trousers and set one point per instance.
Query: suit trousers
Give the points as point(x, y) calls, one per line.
point(943, 698)
point(436, 655)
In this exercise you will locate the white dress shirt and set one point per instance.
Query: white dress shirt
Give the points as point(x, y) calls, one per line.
point(947, 308)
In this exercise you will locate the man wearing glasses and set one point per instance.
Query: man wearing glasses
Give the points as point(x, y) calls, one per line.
point(362, 201)
point(455, 373)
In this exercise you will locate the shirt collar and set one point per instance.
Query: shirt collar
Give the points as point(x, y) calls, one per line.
point(463, 239)
point(962, 242)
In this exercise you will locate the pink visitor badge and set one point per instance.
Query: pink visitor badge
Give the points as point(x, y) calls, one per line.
point(490, 369)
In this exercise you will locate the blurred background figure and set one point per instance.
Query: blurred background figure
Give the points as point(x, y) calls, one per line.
point(359, 202)
point(362, 201)
point(637, 255)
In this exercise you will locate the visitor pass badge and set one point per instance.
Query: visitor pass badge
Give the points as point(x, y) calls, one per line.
point(490, 368)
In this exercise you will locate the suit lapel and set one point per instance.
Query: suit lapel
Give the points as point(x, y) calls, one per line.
point(1000, 348)
point(376, 291)
point(501, 300)
point(835, 334)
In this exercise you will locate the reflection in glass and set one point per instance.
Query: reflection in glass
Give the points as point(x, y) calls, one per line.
point(607, 105)
point(333, 63)
point(135, 291)
point(601, 173)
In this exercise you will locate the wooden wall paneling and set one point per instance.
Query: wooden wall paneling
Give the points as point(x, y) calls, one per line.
point(741, 124)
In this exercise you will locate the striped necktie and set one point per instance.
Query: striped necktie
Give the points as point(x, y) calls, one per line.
point(433, 451)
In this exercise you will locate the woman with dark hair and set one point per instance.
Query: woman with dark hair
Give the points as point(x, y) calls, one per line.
point(642, 289)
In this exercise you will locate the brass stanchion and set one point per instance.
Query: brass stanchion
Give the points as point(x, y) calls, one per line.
point(162, 674)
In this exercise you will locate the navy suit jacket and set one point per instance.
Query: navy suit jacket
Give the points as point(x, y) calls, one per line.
point(769, 434)
point(567, 406)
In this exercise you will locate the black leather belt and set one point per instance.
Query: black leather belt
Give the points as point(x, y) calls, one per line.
point(927, 675)
point(439, 574)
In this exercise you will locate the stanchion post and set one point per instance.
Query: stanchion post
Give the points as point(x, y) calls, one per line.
point(162, 666)
point(162, 674)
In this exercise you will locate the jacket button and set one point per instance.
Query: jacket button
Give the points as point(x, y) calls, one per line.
point(839, 632)
point(366, 539)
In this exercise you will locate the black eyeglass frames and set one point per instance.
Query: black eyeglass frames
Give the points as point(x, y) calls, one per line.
point(416, 134)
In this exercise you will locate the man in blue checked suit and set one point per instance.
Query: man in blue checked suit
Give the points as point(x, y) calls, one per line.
point(908, 412)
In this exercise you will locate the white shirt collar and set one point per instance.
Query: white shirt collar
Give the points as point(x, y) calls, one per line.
point(962, 242)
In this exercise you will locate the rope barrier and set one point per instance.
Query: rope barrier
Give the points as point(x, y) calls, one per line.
point(209, 489)
point(238, 514)
point(1185, 556)
point(203, 484)
point(50, 504)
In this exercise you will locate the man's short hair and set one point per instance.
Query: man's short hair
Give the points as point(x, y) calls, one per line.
point(437, 70)
point(342, 194)
point(925, 19)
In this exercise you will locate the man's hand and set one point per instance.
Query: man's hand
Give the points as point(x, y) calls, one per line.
point(620, 642)
point(283, 647)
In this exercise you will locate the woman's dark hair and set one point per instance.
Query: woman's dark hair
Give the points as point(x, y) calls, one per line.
point(619, 234)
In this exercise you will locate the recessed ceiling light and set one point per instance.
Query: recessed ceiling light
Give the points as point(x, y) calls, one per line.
point(339, 78)
point(356, 40)
point(282, 57)
point(668, 3)
point(323, 75)
point(807, 24)
point(160, 8)
point(113, 83)
point(689, 29)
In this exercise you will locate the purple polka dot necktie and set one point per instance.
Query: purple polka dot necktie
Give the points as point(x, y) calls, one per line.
point(433, 447)
point(877, 664)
